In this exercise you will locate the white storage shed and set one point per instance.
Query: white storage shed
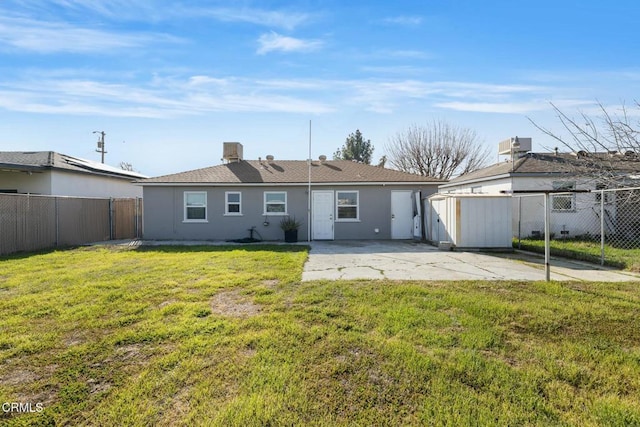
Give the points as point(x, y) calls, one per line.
point(469, 221)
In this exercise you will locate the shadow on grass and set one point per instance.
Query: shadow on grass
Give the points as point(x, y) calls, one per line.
point(572, 254)
point(163, 249)
point(29, 254)
point(222, 248)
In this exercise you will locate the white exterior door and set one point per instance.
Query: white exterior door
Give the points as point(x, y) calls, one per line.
point(322, 215)
point(401, 215)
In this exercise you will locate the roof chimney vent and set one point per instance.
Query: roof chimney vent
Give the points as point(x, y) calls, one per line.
point(322, 158)
point(231, 152)
point(270, 158)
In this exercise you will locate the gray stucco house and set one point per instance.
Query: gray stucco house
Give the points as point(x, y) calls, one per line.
point(348, 200)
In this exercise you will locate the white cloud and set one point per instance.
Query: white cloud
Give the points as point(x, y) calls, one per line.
point(267, 18)
point(207, 81)
point(159, 11)
point(493, 107)
point(411, 21)
point(51, 37)
point(61, 92)
point(270, 42)
point(174, 98)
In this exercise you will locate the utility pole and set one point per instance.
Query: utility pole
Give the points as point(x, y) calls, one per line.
point(101, 143)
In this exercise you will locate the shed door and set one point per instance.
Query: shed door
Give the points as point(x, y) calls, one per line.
point(322, 215)
point(401, 215)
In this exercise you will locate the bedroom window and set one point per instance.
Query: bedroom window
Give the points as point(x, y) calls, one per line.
point(195, 206)
point(563, 202)
point(233, 203)
point(275, 203)
point(347, 205)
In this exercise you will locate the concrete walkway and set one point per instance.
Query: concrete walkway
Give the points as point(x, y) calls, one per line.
point(402, 260)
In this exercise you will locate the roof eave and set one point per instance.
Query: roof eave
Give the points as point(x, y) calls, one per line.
point(23, 168)
point(508, 175)
point(280, 184)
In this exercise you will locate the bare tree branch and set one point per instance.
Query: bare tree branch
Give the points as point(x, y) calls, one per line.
point(608, 146)
point(437, 149)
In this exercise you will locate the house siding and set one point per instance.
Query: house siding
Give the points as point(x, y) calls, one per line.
point(164, 212)
point(34, 183)
point(63, 183)
point(86, 185)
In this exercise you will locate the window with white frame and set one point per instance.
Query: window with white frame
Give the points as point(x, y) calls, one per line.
point(275, 202)
point(195, 206)
point(347, 205)
point(563, 202)
point(233, 203)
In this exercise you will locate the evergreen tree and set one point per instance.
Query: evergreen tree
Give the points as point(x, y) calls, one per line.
point(355, 148)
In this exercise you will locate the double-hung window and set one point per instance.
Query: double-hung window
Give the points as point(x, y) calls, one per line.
point(275, 203)
point(347, 206)
point(195, 206)
point(563, 202)
point(233, 203)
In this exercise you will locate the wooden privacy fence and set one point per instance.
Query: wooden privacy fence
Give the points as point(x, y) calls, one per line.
point(29, 223)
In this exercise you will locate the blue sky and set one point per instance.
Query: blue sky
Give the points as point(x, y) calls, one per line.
point(170, 81)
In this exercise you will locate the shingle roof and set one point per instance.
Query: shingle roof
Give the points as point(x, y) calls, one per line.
point(555, 164)
point(40, 160)
point(289, 172)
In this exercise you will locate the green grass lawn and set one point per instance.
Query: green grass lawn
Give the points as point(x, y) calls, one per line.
point(586, 250)
point(229, 336)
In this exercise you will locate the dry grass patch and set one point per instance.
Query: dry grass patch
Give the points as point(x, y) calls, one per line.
point(233, 304)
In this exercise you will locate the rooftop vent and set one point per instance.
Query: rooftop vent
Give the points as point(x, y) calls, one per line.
point(322, 158)
point(510, 146)
point(270, 158)
point(231, 152)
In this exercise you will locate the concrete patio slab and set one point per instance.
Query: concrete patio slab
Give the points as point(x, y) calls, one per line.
point(404, 260)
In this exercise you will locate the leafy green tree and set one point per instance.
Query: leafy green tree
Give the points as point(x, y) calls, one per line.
point(355, 148)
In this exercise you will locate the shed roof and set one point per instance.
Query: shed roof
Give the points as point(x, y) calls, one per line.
point(290, 172)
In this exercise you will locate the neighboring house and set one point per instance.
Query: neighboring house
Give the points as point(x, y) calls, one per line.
point(348, 200)
point(572, 214)
point(51, 173)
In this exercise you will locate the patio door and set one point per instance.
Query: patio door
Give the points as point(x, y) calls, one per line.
point(322, 211)
point(401, 214)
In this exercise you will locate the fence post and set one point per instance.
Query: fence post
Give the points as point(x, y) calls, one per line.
point(519, 222)
point(138, 217)
point(547, 238)
point(602, 224)
point(111, 218)
point(57, 219)
point(135, 218)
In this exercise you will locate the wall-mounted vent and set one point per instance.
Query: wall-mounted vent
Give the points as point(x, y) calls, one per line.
point(509, 146)
point(231, 152)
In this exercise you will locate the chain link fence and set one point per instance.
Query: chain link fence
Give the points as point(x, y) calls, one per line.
point(601, 225)
point(30, 223)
